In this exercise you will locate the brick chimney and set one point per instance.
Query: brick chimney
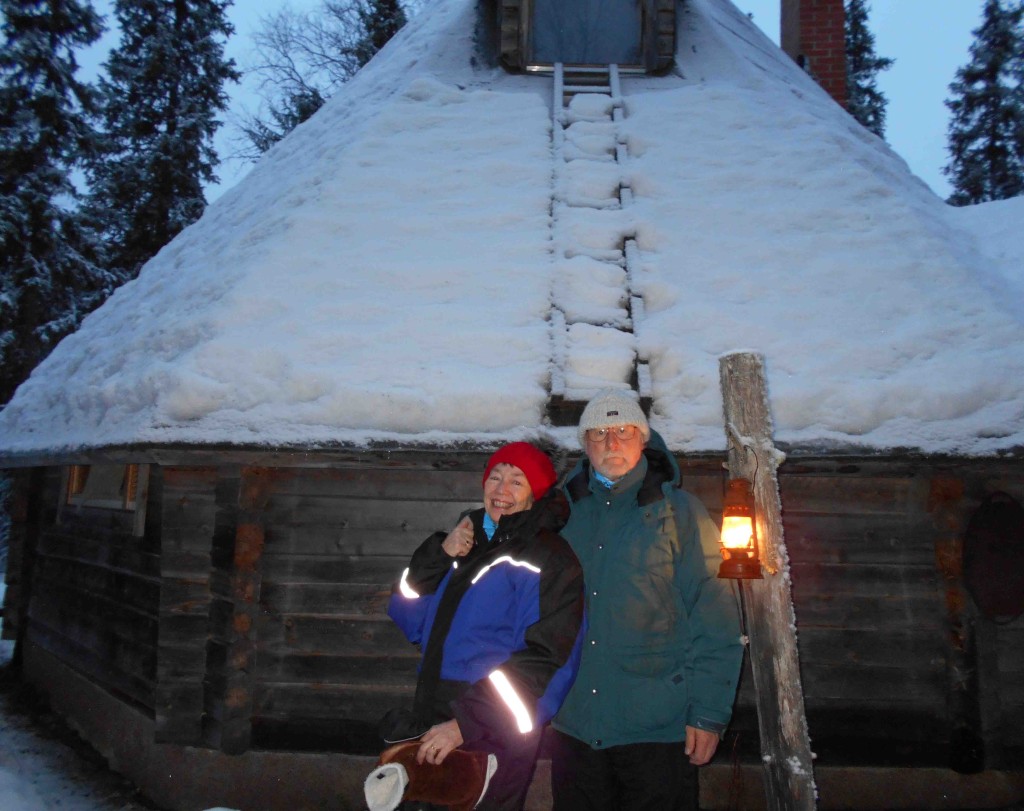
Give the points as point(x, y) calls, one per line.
point(814, 35)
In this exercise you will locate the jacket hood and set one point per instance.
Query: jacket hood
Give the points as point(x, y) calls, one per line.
point(663, 457)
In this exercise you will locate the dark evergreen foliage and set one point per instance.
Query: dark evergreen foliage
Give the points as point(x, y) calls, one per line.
point(380, 20)
point(50, 275)
point(986, 131)
point(295, 108)
point(163, 90)
point(304, 58)
point(865, 101)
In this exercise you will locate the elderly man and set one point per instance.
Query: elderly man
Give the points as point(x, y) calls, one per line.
point(662, 653)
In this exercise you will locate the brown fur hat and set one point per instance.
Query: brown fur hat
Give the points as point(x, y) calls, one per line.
point(459, 782)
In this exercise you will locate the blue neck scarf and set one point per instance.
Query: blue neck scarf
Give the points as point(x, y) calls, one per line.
point(489, 526)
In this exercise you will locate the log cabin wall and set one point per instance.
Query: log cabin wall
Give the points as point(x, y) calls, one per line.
point(252, 613)
point(898, 667)
point(90, 588)
point(330, 660)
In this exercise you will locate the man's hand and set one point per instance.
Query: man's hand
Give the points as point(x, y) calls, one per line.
point(438, 741)
point(700, 745)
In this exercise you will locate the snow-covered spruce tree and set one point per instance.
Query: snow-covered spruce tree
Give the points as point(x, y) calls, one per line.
point(380, 20)
point(865, 101)
point(302, 60)
point(50, 279)
point(163, 90)
point(986, 130)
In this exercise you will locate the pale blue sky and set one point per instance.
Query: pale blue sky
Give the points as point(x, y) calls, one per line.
point(929, 39)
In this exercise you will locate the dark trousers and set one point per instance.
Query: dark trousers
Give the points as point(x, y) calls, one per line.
point(634, 777)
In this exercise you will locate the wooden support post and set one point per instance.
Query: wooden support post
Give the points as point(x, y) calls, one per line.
point(246, 581)
point(946, 506)
point(768, 603)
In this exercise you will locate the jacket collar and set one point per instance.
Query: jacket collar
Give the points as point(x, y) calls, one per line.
point(550, 512)
point(659, 470)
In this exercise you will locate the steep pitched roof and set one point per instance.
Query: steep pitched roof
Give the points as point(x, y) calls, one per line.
point(388, 271)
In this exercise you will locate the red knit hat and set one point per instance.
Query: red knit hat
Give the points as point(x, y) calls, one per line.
point(540, 473)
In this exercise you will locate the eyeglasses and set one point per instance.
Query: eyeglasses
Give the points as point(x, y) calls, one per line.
point(623, 433)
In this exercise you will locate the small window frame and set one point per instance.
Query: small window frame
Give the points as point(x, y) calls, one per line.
point(130, 499)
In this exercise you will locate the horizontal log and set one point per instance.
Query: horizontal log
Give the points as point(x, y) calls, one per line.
point(836, 580)
point(307, 634)
point(113, 552)
point(75, 611)
point(876, 721)
point(177, 663)
point(88, 536)
point(1011, 693)
point(178, 480)
point(317, 735)
point(848, 496)
point(96, 521)
point(135, 655)
point(848, 686)
point(355, 514)
point(325, 598)
point(194, 537)
point(866, 734)
point(867, 649)
point(341, 701)
point(868, 540)
point(1009, 644)
point(181, 596)
point(136, 687)
point(182, 630)
point(328, 538)
point(88, 582)
point(395, 670)
point(897, 614)
point(1012, 726)
point(185, 563)
point(340, 569)
point(381, 483)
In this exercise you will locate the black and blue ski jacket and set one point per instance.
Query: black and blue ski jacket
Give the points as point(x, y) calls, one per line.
point(500, 629)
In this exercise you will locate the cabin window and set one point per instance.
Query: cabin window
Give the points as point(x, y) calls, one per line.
point(587, 31)
point(111, 487)
point(636, 35)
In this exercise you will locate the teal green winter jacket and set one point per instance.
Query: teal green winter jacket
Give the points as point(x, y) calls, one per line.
point(662, 649)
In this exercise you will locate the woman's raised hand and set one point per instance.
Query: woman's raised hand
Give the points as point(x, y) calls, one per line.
point(460, 540)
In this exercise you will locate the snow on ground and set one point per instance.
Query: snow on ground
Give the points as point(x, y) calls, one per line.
point(39, 768)
point(388, 271)
point(43, 766)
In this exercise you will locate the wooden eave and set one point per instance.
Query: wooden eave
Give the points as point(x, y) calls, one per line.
point(457, 455)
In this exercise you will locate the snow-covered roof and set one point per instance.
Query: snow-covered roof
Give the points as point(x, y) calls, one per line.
point(406, 266)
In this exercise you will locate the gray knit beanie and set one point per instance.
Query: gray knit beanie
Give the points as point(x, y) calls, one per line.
point(613, 407)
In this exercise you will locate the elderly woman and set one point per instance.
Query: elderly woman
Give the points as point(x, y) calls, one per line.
point(496, 606)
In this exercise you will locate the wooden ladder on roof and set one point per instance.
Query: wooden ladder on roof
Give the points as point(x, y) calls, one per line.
point(567, 401)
